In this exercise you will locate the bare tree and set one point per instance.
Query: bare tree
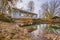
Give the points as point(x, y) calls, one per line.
point(31, 6)
point(5, 5)
point(58, 11)
point(50, 9)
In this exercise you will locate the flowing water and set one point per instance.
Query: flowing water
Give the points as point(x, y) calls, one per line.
point(41, 30)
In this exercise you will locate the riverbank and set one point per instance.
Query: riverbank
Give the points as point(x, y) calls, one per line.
point(52, 36)
point(10, 31)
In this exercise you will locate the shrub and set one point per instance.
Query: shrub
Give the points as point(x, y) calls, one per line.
point(5, 18)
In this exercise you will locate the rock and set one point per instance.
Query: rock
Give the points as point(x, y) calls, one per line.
point(10, 31)
point(52, 36)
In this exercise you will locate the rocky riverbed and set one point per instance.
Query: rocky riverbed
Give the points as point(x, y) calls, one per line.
point(51, 36)
point(10, 31)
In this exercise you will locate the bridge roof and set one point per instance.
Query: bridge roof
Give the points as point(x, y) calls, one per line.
point(23, 11)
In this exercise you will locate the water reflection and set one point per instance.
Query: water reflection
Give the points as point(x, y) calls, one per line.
point(38, 34)
point(44, 28)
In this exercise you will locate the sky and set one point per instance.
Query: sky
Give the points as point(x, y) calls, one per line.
point(37, 6)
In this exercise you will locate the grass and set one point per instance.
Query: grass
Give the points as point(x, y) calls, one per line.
point(51, 29)
point(5, 18)
point(54, 27)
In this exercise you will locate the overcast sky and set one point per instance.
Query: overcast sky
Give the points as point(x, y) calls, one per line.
point(38, 4)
